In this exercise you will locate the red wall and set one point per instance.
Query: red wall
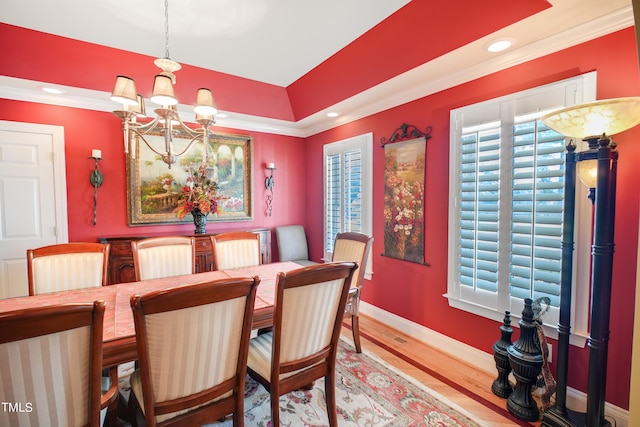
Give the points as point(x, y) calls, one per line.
point(415, 292)
point(36, 56)
point(382, 52)
point(85, 130)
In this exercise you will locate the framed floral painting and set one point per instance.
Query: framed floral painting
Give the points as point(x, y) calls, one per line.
point(158, 194)
point(404, 177)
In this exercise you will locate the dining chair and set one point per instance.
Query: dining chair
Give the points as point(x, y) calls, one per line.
point(355, 247)
point(302, 346)
point(51, 366)
point(292, 244)
point(67, 266)
point(192, 346)
point(157, 257)
point(71, 266)
point(235, 249)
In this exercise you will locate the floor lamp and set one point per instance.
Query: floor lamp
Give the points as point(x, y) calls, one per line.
point(597, 168)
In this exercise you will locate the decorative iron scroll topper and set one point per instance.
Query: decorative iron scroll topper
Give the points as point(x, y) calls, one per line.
point(406, 131)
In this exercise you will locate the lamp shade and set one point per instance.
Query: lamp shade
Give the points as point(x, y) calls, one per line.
point(205, 104)
point(610, 116)
point(163, 91)
point(124, 91)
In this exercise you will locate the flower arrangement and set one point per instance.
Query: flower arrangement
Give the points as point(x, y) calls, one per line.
point(200, 192)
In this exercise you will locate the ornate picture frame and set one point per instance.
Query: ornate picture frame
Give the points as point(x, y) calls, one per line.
point(153, 187)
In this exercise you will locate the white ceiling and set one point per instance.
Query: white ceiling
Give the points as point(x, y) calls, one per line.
point(278, 41)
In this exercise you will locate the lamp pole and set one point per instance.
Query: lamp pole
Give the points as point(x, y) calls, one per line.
point(602, 272)
point(558, 415)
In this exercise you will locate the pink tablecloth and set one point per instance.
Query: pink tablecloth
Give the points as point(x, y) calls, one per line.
point(268, 274)
point(118, 319)
point(106, 293)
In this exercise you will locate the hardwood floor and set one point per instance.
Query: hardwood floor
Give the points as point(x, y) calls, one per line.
point(463, 384)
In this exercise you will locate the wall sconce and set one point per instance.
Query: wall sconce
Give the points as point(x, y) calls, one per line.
point(269, 183)
point(590, 122)
point(96, 180)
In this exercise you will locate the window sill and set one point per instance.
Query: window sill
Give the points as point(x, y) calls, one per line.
point(577, 339)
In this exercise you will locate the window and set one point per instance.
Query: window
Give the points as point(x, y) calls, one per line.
point(347, 189)
point(506, 201)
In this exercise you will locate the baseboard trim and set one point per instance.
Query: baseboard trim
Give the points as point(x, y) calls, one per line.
point(576, 400)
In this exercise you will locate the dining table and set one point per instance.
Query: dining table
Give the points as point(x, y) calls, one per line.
point(119, 337)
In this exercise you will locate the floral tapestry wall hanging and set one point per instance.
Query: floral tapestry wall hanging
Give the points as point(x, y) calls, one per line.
point(404, 161)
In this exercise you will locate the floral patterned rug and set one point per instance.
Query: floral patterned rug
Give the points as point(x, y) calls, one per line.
point(368, 394)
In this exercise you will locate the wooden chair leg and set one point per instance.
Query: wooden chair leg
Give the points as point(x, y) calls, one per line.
point(238, 414)
point(275, 410)
point(329, 390)
point(110, 397)
point(136, 417)
point(355, 329)
point(111, 418)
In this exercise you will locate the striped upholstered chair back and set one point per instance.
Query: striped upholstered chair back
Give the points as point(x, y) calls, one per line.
point(354, 247)
point(309, 307)
point(235, 249)
point(192, 347)
point(158, 257)
point(67, 266)
point(51, 365)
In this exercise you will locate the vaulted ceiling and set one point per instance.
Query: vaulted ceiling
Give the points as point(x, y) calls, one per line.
point(354, 57)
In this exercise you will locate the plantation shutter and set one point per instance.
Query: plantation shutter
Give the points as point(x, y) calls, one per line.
point(348, 191)
point(353, 191)
point(506, 203)
point(479, 208)
point(333, 217)
point(344, 194)
point(536, 214)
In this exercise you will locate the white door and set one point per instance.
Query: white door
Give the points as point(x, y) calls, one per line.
point(33, 198)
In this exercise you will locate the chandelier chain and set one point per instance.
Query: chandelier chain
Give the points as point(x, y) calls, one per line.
point(166, 29)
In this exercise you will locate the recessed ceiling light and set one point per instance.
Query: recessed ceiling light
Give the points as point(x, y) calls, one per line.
point(332, 114)
point(53, 90)
point(499, 45)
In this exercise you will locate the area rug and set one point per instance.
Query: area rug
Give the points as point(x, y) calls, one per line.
point(368, 393)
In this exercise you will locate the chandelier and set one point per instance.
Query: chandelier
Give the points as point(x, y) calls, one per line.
point(167, 121)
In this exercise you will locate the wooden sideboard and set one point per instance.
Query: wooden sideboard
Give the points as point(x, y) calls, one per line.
point(121, 269)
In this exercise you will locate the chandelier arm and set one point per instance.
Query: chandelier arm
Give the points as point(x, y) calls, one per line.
point(189, 145)
point(192, 132)
point(125, 133)
point(125, 116)
point(148, 144)
point(141, 136)
point(143, 129)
